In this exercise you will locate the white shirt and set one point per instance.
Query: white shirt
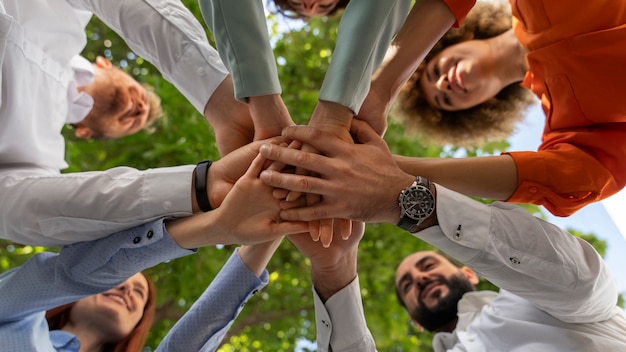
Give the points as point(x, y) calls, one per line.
point(39, 44)
point(556, 292)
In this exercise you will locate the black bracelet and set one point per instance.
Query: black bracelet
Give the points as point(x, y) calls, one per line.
point(202, 197)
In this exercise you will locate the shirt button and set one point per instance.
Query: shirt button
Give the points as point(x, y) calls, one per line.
point(149, 234)
point(136, 240)
point(532, 189)
point(515, 260)
point(326, 324)
point(200, 71)
point(254, 292)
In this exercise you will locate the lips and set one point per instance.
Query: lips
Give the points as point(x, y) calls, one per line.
point(429, 289)
point(118, 298)
point(455, 79)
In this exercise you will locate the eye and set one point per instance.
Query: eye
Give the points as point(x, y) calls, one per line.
point(446, 99)
point(140, 293)
point(406, 286)
point(436, 71)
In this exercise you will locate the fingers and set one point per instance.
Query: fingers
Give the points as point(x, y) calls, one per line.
point(326, 143)
point(326, 232)
point(364, 133)
point(297, 183)
point(345, 228)
point(256, 167)
point(287, 228)
point(300, 159)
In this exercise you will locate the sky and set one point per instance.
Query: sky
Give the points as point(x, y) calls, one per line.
point(604, 219)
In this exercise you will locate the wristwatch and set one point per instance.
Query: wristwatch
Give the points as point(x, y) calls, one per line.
point(417, 204)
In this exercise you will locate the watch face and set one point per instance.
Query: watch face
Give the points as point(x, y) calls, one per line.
point(417, 202)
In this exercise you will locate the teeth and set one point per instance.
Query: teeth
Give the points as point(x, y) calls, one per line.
point(118, 298)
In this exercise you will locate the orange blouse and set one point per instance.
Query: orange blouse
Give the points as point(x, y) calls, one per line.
point(577, 67)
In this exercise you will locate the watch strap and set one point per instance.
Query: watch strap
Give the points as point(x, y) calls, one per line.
point(200, 185)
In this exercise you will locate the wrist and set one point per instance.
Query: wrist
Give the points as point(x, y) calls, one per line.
point(200, 185)
point(328, 280)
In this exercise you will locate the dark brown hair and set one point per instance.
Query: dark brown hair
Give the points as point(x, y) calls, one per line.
point(494, 119)
point(134, 342)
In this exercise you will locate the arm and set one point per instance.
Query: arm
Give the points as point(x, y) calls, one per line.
point(572, 169)
point(203, 327)
point(168, 35)
point(347, 80)
point(243, 43)
point(426, 23)
point(504, 243)
point(561, 274)
point(340, 319)
point(48, 280)
point(493, 177)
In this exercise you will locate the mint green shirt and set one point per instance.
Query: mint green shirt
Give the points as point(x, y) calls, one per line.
point(365, 32)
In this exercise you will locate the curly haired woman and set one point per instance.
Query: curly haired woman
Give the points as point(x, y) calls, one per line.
point(575, 55)
point(496, 117)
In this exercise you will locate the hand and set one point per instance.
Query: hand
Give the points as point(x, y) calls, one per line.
point(332, 268)
point(357, 181)
point(230, 119)
point(374, 111)
point(334, 119)
point(270, 115)
point(223, 174)
point(248, 215)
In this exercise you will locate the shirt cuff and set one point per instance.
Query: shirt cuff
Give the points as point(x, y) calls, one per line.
point(459, 232)
point(341, 321)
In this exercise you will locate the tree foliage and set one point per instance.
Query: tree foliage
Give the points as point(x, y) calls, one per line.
point(282, 315)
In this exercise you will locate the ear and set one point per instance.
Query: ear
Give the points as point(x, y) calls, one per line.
point(83, 132)
point(470, 275)
point(103, 62)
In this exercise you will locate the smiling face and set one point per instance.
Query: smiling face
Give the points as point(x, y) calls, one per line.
point(430, 286)
point(116, 312)
point(121, 105)
point(460, 77)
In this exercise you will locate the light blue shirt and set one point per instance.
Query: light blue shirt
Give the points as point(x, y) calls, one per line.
point(49, 280)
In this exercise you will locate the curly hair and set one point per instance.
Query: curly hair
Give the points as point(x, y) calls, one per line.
point(284, 8)
point(494, 119)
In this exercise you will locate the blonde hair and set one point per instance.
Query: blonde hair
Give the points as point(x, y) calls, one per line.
point(156, 110)
point(494, 119)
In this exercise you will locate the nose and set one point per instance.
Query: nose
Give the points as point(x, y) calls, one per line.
point(308, 8)
point(443, 83)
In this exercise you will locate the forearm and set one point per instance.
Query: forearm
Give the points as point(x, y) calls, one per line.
point(242, 40)
point(493, 177)
point(52, 209)
point(203, 327)
point(365, 31)
point(168, 35)
point(48, 280)
point(426, 23)
point(328, 280)
point(257, 256)
point(520, 253)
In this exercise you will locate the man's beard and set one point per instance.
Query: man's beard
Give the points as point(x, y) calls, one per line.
point(446, 309)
